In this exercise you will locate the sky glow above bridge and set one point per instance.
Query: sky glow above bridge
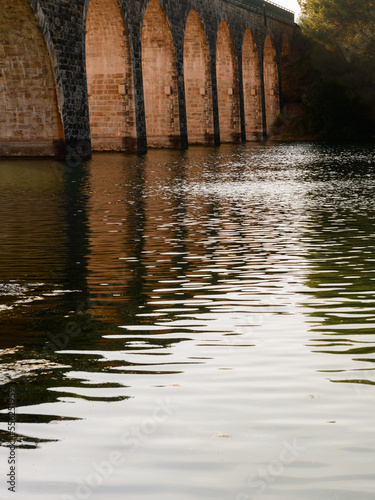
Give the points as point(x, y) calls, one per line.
point(289, 4)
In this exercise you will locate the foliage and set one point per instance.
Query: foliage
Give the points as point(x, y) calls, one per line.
point(340, 95)
point(335, 23)
point(333, 115)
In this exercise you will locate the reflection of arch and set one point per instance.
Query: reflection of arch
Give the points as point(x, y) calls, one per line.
point(251, 87)
point(159, 79)
point(109, 77)
point(271, 83)
point(30, 117)
point(227, 85)
point(198, 87)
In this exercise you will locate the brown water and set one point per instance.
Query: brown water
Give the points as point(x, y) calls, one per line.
point(190, 325)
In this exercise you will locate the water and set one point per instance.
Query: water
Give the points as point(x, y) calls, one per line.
point(191, 325)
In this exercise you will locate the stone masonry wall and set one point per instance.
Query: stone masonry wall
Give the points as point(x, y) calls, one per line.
point(197, 80)
point(30, 116)
point(251, 88)
point(109, 78)
point(63, 25)
point(227, 86)
point(271, 83)
point(159, 79)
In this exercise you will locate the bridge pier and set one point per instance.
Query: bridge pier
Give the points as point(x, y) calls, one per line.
point(215, 102)
point(241, 99)
point(182, 104)
point(263, 101)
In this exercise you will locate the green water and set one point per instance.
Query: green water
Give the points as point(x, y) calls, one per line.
point(190, 325)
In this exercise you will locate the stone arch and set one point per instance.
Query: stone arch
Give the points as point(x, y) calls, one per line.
point(227, 85)
point(159, 79)
point(198, 85)
point(251, 88)
point(271, 83)
point(110, 85)
point(30, 117)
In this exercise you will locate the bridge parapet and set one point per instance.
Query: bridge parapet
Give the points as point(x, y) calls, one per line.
point(270, 9)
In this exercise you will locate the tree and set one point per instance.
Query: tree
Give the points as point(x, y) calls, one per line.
point(343, 53)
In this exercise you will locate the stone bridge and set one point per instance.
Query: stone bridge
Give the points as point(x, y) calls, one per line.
point(124, 75)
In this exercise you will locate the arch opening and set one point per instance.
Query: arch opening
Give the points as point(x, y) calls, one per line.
point(110, 85)
point(227, 86)
point(31, 121)
point(251, 88)
point(271, 83)
point(198, 85)
point(159, 79)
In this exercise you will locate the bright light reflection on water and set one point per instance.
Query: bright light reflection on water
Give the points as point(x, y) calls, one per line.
point(191, 325)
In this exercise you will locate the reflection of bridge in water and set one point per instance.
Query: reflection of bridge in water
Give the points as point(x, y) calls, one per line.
point(147, 73)
point(144, 272)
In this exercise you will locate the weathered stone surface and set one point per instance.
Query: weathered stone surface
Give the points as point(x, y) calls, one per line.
point(109, 78)
point(30, 118)
point(252, 91)
point(197, 80)
point(132, 101)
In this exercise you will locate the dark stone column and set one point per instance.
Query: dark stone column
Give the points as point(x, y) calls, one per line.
point(63, 29)
point(263, 95)
point(215, 101)
point(241, 97)
point(182, 101)
point(140, 115)
point(279, 75)
point(133, 13)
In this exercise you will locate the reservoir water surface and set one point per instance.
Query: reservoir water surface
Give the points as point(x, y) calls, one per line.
point(193, 325)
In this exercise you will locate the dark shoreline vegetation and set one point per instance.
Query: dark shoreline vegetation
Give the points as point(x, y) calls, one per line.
point(329, 81)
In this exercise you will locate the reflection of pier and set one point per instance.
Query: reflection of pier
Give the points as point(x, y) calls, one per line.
point(147, 73)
